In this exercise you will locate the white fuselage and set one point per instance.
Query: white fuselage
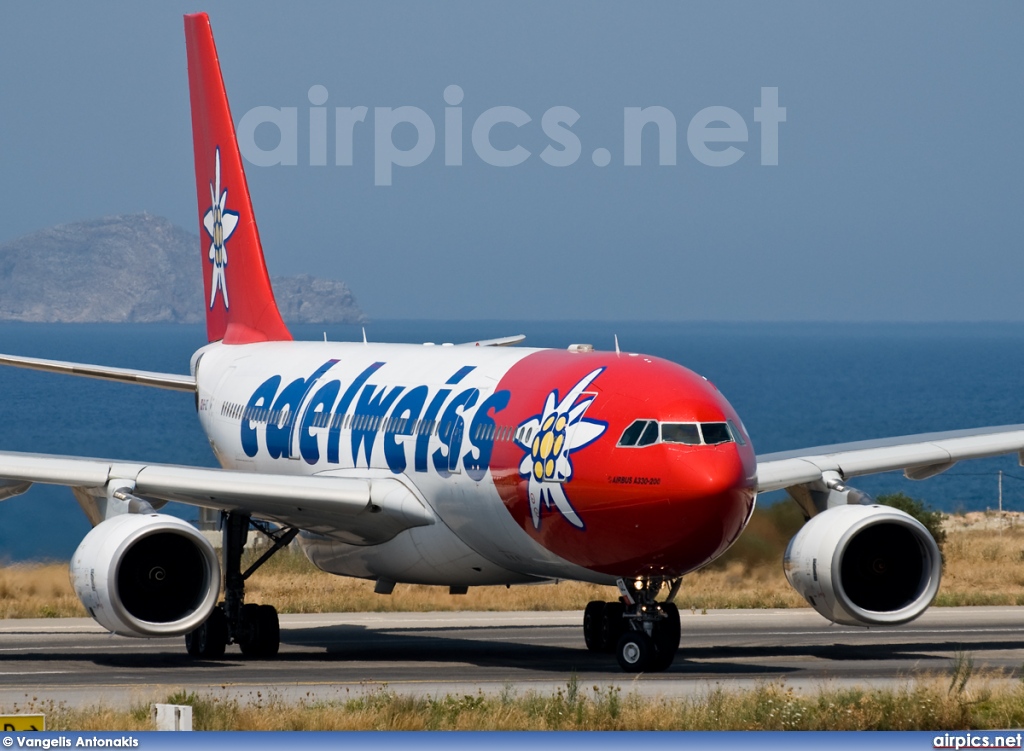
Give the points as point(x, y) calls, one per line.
point(396, 411)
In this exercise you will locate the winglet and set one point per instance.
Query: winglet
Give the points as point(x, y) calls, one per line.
point(240, 306)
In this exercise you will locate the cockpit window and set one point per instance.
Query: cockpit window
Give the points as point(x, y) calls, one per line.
point(716, 432)
point(680, 432)
point(737, 434)
point(650, 434)
point(632, 434)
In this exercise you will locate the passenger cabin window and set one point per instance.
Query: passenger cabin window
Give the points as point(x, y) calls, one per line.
point(716, 432)
point(680, 432)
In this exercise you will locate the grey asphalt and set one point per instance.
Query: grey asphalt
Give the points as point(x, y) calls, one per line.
point(334, 656)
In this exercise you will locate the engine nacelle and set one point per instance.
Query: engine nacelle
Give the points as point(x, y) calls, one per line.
point(146, 575)
point(865, 565)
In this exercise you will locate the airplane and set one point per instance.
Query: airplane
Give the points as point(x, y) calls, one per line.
point(458, 465)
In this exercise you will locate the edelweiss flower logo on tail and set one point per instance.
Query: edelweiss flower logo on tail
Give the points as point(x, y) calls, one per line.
point(220, 224)
point(550, 438)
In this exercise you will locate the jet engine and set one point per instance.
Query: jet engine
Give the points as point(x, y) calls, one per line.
point(865, 565)
point(146, 575)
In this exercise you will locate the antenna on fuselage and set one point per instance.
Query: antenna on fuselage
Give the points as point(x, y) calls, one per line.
point(325, 336)
point(364, 335)
point(617, 353)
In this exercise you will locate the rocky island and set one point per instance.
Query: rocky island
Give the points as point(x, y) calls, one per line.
point(135, 268)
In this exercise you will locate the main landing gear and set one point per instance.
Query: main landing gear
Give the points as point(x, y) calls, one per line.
point(254, 628)
point(643, 633)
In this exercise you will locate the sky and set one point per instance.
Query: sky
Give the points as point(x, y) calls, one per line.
point(896, 195)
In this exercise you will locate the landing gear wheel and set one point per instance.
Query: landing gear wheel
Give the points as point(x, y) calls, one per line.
point(593, 616)
point(613, 625)
point(270, 630)
point(634, 651)
point(210, 638)
point(652, 628)
point(261, 631)
point(666, 637)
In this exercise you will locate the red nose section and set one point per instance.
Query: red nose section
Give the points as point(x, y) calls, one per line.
point(697, 505)
point(661, 509)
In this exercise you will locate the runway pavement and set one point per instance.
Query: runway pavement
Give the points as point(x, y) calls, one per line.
point(341, 655)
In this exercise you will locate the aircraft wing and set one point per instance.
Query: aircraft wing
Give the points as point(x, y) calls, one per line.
point(124, 375)
point(348, 509)
point(919, 456)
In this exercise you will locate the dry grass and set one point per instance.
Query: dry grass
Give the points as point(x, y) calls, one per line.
point(984, 560)
point(37, 591)
point(954, 702)
point(984, 565)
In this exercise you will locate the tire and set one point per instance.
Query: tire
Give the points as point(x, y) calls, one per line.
point(247, 636)
point(192, 642)
point(593, 629)
point(634, 651)
point(270, 630)
point(613, 625)
point(209, 640)
point(666, 637)
point(261, 630)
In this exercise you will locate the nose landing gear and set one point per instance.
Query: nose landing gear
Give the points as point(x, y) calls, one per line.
point(643, 633)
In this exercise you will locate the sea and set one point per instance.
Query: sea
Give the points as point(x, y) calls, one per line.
point(794, 385)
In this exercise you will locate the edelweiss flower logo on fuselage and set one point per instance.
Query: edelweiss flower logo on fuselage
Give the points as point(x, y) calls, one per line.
point(549, 438)
point(220, 225)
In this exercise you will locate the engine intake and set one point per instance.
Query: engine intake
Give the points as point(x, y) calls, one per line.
point(865, 565)
point(146, 575)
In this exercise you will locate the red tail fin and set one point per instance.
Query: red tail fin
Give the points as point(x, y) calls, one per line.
point(240, 302)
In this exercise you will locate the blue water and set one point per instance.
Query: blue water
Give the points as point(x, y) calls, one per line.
point(794, 385)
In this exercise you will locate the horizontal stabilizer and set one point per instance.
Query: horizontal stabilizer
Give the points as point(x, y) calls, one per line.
point(501, 341)
point(105, 373)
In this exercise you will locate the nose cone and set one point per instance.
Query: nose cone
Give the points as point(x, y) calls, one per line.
point(674, 510)
point(658, 509)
